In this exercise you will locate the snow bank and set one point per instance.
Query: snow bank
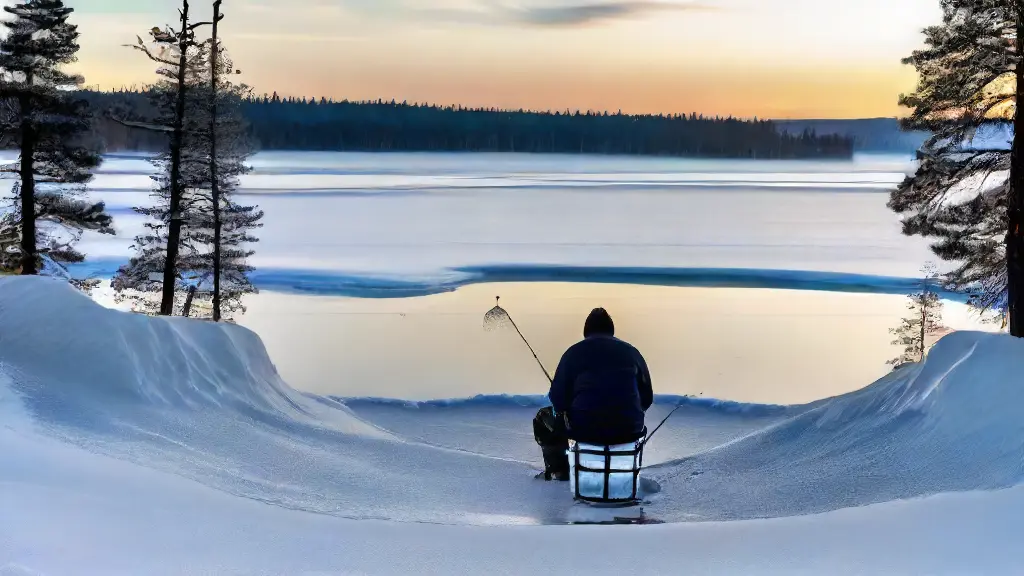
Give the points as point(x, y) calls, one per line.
point(203, 401)
point(149, 445)
point(87, 365)
point(952, 423)
point(70, 512)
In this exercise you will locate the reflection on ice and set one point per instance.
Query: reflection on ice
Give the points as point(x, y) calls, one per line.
point(742, 344)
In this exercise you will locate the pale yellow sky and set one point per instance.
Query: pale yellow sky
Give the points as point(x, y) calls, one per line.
point(769, 58)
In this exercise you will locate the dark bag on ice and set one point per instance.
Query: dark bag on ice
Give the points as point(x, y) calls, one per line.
point(549, 432)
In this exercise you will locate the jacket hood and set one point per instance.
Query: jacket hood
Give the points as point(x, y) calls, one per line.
point(599, 323)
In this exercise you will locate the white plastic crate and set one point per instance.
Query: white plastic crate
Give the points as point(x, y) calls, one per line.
point(617, 465)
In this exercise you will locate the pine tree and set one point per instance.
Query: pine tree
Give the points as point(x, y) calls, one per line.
point(215, 230)
point(179, 172)
point(968, 195)
point(175, 167)
point(231, 221)
point(222, 225)
point(51, 127)
point(923, 322)
point(166, 252)
point(216, 60)
point(1015, 219)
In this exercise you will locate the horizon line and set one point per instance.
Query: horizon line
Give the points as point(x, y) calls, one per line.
point(332, 99)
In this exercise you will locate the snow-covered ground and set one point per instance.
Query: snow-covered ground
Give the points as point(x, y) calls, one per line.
point(135, 445)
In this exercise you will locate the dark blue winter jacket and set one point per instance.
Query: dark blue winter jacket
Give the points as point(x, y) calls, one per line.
point(603, 386)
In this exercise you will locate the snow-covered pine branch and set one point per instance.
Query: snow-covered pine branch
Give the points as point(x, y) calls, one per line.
point(966, 97)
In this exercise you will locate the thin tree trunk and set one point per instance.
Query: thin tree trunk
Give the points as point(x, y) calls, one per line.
point(1015, 234)
point(187, 308)
point(29, 249)
point(924, 323)
point(174, 229)
point(214, 186)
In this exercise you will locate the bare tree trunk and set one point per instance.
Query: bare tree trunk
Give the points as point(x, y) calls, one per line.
point(924, 324)
point(1015, 233)
point(29, 249)
point(174, 229)
point(214, 185)
point(187, 308)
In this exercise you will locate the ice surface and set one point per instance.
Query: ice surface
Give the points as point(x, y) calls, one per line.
point(327, 283)
point(400, 225)
point(136, 445)
point(426, 216)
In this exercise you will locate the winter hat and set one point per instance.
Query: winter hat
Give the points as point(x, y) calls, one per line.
point(599, 322)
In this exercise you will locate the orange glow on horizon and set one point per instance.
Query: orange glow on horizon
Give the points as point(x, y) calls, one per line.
point(816, 60)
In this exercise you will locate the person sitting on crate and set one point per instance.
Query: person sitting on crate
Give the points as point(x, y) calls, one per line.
point(599, 395)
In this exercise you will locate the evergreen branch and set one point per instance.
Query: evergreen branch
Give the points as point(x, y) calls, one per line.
point(145, 50)
point(142, 125)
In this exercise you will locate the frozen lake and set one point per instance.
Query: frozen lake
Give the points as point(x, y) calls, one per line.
point(359, 255)
point(425, 214)
point(746, 345)
point(163, 444)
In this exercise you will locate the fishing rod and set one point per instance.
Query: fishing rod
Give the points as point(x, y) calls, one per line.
point(497, 316)
point(651, 435)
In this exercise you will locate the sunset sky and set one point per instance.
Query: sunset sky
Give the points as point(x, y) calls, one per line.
point(769, 58)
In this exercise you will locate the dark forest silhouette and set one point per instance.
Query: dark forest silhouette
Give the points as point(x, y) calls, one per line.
point(320, 124)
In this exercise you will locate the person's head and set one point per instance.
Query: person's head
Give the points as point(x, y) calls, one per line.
point(599, 323)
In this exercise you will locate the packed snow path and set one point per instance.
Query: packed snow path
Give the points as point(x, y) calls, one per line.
point(104, 413)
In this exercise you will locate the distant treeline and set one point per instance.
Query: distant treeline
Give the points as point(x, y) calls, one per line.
point(325, 125)
point(868, 134)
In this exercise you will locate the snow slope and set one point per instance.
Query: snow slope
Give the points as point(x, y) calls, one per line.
point(137, 445)
point(954, 423)
point(67, 512)
point(144, 389)
point(498, 424)
point(84, 366)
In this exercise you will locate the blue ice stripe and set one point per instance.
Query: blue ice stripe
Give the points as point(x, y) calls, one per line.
point(336, 283)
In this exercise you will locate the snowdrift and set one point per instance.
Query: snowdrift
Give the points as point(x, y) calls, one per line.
point(952, 423)
point(203, 401)
point(71, 512)
point(80, 363)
